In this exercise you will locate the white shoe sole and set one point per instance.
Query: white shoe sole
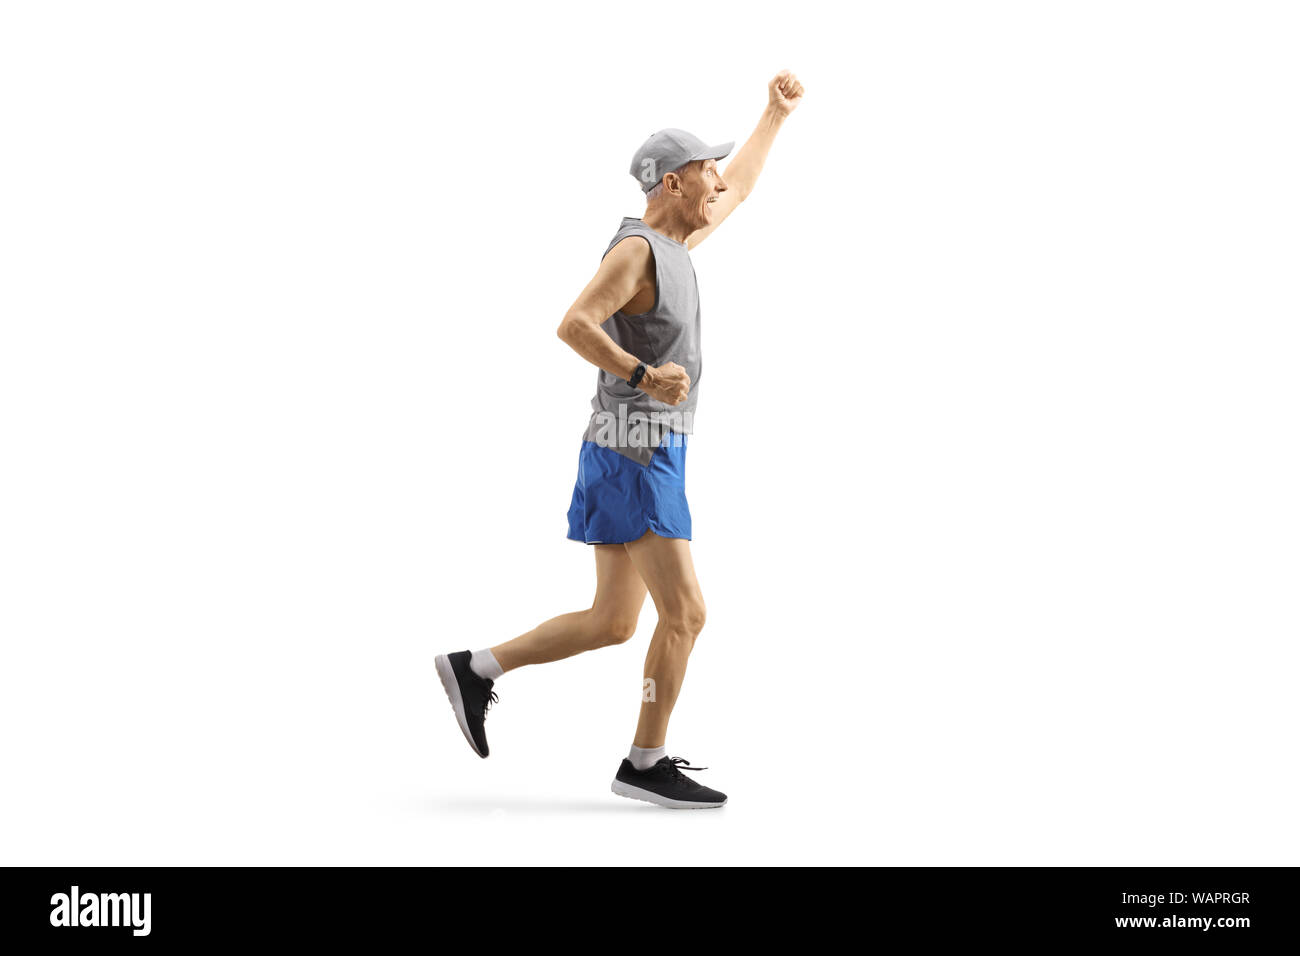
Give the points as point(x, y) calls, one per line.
point(449, 684)
point(636, 793)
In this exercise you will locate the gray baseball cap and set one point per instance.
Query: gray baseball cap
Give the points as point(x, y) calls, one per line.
point(669, 149)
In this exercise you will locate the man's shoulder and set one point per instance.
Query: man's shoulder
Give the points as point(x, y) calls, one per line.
point(633, 248)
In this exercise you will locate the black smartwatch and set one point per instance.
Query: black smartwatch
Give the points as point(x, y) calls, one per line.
point(639, 374)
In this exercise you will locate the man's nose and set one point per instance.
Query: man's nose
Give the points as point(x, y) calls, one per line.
point(722, 185)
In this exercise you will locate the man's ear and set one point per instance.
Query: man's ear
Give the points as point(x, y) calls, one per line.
point(673, 185)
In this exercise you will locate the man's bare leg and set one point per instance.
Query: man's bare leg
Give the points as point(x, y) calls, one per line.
point(648, 773)
point(665, 566)
point(611, 619)
point(468, 676)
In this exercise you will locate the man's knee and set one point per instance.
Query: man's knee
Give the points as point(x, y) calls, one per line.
point(613, 629)
point(686, 618)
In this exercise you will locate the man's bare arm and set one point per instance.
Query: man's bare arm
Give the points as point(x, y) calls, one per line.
point(622, 274)
point(784, 93)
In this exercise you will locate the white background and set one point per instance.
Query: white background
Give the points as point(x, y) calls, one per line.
point(993, 481)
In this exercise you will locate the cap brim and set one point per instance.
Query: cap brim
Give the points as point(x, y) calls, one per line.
point(714, 152)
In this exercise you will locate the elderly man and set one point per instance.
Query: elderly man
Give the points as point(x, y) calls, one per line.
point(638, 322)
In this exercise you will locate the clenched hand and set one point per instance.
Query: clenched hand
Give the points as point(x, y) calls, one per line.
point(784, 93)
point(668, 383)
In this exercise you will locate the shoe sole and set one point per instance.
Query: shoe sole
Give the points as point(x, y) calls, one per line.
point(449, 683)
point(649, 796)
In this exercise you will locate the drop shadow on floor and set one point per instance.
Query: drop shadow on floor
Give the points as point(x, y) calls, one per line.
point(495, 804)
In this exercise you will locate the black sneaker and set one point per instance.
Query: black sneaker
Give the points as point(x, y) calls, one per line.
point(470, 697)
point(664, 784)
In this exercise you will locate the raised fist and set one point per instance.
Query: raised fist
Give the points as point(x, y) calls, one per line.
point(784, 93)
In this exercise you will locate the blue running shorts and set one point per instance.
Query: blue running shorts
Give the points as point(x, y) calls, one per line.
point(616, 499)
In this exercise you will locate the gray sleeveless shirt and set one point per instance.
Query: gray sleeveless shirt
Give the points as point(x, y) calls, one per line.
point(625, 419)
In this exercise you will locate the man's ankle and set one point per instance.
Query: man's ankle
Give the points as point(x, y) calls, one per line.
point(643, 758)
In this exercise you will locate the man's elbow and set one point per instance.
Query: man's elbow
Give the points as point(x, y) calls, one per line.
point(568, 328)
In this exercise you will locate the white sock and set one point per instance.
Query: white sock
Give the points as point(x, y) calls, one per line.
point(485, 665)
point(643, 758)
